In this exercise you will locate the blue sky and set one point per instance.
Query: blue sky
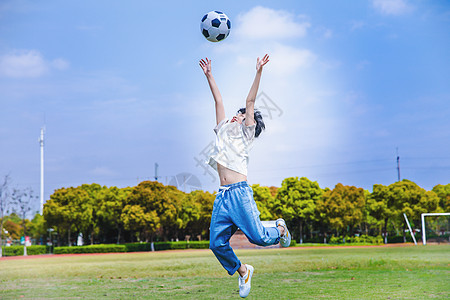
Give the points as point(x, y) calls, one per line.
point(119, 88)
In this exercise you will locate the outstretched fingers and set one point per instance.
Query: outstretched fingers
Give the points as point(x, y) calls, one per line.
point(205, 64)
point(265, 60)
point(261, 62)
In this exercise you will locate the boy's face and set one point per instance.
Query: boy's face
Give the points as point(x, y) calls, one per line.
point(240, 118)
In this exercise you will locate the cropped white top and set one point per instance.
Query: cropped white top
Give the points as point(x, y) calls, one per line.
point(232, 146)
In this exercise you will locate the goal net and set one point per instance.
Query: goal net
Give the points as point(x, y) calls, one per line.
point(435, 228)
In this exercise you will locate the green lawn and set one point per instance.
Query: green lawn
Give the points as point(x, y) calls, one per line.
point(413, 272)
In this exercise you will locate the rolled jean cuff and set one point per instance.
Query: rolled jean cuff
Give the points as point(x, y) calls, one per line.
point(279, 236)
point(231, 273)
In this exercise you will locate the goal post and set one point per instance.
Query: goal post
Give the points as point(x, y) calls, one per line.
point(424, 235)
point(410, 230)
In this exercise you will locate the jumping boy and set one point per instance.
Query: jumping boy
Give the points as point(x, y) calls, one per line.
point(234, 206)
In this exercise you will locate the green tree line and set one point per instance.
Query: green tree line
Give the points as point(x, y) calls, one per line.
point(152, 211)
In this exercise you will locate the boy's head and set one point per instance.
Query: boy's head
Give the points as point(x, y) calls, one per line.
point(240, 118)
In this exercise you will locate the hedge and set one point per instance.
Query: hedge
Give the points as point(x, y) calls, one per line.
point(181, 245)
point(101, 248)
point(138, 247)
point(132, 247)
point(109, 248)
point(399, 238)
point(18, 250)
point(363, 239)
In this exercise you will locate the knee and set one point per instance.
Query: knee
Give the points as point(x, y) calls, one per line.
point(261, 240)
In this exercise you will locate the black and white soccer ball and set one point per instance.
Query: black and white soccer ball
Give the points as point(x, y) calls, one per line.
point(215, 26)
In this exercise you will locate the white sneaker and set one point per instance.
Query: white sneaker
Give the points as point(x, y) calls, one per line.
point(285, 240)
point(245, 282)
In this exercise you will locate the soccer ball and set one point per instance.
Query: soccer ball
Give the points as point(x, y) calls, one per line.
point(215, 26)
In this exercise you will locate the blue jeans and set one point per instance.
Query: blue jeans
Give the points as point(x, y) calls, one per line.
point(235, 208)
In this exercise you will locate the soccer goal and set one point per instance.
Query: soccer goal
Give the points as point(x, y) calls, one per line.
point(438, 227)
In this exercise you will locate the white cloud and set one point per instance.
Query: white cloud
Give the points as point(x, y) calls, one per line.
point(23, 64)
point(289, 59)
point(28, 64)
point(263, 30)
point(60, 64)
point(265, 23)
point(323, 33)
point(392, 7)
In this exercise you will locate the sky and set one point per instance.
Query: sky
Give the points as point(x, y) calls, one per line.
point(118, 88)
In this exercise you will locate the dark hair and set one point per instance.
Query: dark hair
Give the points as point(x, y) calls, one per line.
point(258, 119)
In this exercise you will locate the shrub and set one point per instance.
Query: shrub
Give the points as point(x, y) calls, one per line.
point(181, 245)
point(163, 245)
point(198, 245)
point(363, 239)
point(336, 240)
point(314, 240)
point(90, 249)
point(36, 250)
point(135, 247)
point(399, 238)
point(18, 250)
point(138, 247)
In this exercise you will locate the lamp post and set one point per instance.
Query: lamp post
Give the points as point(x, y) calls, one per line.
point(50, 230)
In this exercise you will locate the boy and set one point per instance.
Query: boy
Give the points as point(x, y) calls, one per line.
point(234, 206)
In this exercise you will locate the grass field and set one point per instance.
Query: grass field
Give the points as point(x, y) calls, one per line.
point(413, 272)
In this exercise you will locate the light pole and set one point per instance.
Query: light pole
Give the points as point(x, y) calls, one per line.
point(50, 244)
point(41, 142)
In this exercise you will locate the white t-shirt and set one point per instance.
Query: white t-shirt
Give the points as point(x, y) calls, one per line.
point(233, 143)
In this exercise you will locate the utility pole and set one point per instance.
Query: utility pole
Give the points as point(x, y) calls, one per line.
point(156, 171)
point(398, 166)
point(41, 142)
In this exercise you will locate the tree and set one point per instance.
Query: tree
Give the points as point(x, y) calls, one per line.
point(407, 197)
point(296, 201)
point(264, 201)
point(111, 205)
point(54, 217)
point(143, 209)
point(381, 207)
point(68, 209)
point(196, 212)
point(342, 208)
point(22, 199)
point(12, 225)
point(95, 193)
point(171, 202)
point(4, 202)
point(443, 192)
point(37, 227)
point(140, 220)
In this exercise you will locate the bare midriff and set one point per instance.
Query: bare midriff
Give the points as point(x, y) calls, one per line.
point(228, 176)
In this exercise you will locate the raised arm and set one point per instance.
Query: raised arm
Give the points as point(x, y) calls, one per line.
point(220, 110)
point(251, 98)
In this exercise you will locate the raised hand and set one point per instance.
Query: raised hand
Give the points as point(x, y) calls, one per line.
point(261, 62)
point(206, 66)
